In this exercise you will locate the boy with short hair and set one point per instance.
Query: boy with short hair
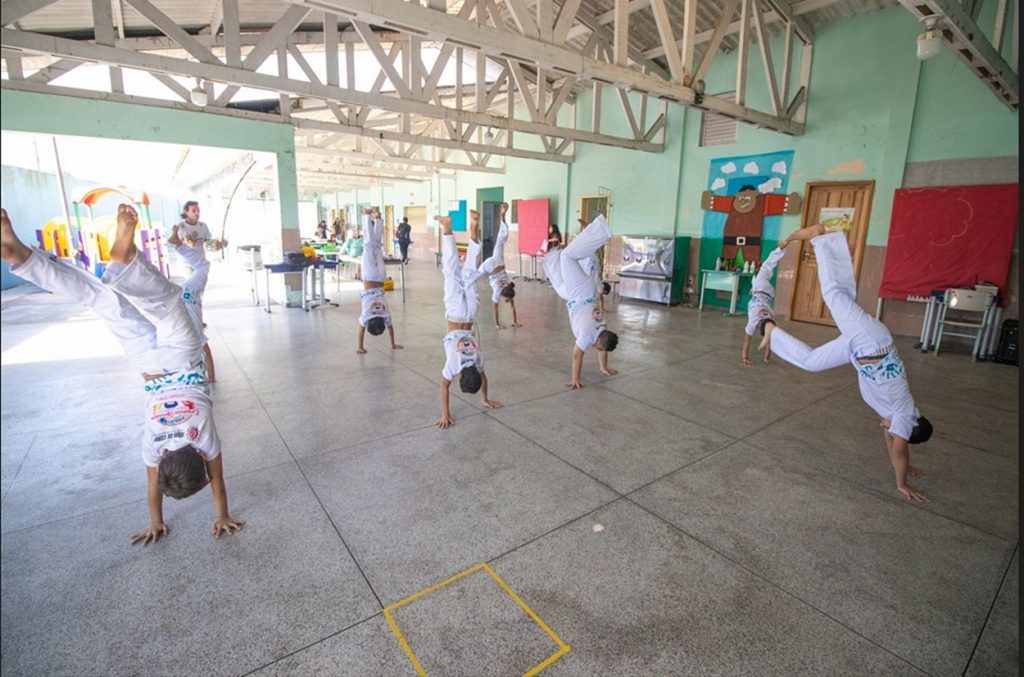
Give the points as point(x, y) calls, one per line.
point(494, 267)
point(760, 308)
point(864, 342)
point(461, 302)
point(565, 269)
point(375, 315)
point(144, 310)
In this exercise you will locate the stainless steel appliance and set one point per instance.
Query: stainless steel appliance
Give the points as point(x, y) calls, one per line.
point(653, 268)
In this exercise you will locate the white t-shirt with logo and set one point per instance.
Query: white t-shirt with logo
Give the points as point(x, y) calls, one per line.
point(587, 321)
point(461, 350)
point(374, 305)
point(200, 231)
point(177, 417)
point(884, 388)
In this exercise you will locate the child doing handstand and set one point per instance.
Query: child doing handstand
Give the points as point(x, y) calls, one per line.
point(494, 267)
point(760, 309)
point(592, 267)
point(461, 302)
point(143, 309)
point(375, 315)
point(863, 342)
point(566, 271)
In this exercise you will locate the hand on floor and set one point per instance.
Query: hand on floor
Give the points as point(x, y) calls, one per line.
point(493, 404)
point(396, 346)
point(748, 362)
point(575, 385)
point(225, 525)
point(150, 534)
point(609, 371)
point(360, 351)
point(912, 494)
point(445, 422)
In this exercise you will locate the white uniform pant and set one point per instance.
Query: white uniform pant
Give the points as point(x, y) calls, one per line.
point(461, 299)
point(860, 333)
point(141, 307)
point(194, 286)
point(763, 280)
point(373, 253)
point(497, 257)
point(566, 268)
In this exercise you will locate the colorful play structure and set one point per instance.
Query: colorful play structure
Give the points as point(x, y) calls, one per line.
point(92, 235)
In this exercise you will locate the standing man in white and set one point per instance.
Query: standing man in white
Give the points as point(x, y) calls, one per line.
point(865, 343)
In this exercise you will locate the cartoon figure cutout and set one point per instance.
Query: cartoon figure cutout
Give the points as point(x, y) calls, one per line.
point(746, 210)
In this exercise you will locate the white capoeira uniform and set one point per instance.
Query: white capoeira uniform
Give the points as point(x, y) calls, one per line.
point(567, 272)
point(145, 311)
point(461, 303)
point(497, 260)
point(372, 300)
point(762, 294)
point(883, 384)
point(200, 231)
point(193, 287)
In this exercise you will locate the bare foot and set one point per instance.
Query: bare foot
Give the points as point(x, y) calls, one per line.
point(12, 249)
point(446, 224)
point(123, 250)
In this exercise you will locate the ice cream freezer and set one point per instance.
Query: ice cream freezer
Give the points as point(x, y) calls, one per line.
point(654, 268)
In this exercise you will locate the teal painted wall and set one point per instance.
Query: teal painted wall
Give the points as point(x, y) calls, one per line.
point(873, 108)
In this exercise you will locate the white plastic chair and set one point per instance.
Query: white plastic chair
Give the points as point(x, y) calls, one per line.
point(966, 301)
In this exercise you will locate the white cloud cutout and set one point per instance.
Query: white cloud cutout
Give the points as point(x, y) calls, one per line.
point(718, 183)
point(779, 167)
point(750, 168)
point(771, 185)
point(729, 168)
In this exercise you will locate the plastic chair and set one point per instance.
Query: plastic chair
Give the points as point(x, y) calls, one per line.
point(967, 301)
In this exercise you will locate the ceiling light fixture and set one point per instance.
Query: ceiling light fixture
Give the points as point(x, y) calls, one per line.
point(489, 136)
point(198, 94)
point(929, 42)
point(698, 92)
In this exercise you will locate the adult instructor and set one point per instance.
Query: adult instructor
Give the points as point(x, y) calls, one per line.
point(404, 234)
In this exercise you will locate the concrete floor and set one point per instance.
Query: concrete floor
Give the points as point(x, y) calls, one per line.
point(750, 522)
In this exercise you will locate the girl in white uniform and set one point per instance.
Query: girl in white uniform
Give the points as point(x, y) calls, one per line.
point(461, 303)
point(867, 345)
point(374, 315)
point(494, 267)
point(761, 306)
point(574, 283)
point(144, 310)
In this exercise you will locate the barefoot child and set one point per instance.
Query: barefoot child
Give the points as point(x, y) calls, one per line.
point(567, 274)
point(501, 286)
point(192, 288)
point(375, 315)
point(461, 302)
point(180, 446)
point(863, 342)
point(760, 309)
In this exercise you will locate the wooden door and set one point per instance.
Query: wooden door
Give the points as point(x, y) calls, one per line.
point(807, 304)
point(590, 207)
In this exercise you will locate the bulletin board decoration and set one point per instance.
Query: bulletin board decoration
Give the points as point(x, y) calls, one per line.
point(946, 237)
point(534, 219)
point(459, 214)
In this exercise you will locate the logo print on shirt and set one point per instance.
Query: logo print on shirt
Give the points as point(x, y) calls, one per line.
point(466, 345)
point(174, 412)
point(378, 308)
point(193, 433)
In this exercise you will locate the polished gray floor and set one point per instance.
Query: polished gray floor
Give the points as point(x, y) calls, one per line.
point(688, 516)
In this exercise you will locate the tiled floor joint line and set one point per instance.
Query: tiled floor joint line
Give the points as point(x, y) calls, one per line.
point(988, 614)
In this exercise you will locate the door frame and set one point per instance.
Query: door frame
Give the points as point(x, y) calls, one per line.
point(859, 246)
